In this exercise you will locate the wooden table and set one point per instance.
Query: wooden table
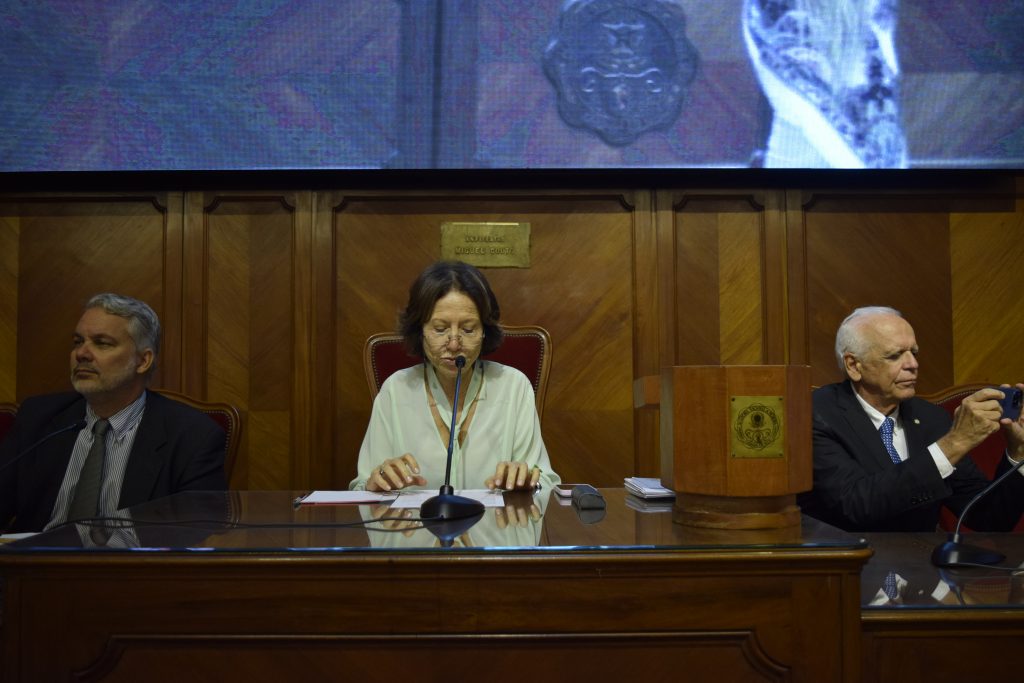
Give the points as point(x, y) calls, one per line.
point(945, 625)
point(243, 586)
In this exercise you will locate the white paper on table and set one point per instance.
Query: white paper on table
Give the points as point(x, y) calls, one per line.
point(414, 499)
point(346, 497)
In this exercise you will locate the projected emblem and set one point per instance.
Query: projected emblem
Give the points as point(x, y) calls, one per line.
point(757, 427)
point(621, 67)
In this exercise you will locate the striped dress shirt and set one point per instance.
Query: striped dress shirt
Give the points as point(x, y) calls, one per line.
point(120, 438)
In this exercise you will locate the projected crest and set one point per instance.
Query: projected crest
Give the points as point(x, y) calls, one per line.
point(621, 67)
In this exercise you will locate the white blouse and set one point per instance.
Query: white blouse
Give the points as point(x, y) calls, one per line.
point(503, 427)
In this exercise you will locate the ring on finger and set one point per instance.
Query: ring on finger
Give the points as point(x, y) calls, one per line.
point(381, 471)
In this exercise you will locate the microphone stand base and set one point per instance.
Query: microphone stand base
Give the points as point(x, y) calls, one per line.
point(954, 554)
point(448, 516)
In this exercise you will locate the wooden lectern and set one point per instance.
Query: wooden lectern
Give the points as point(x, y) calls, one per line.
point(736, 443)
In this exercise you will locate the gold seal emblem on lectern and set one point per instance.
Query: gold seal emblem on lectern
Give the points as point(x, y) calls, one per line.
point(757, 427)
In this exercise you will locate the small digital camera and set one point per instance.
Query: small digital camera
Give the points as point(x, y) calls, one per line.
point(1011, 401)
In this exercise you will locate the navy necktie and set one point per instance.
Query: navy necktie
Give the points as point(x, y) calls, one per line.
point(890, 587)
point(886, 432)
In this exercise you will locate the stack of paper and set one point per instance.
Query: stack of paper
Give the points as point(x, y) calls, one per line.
point(648, 487)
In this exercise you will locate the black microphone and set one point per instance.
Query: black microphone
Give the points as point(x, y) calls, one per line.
point(71, 427)
point(446, 515)
point(953, 553)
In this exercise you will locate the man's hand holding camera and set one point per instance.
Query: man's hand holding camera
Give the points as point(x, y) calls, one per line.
point(980, 415)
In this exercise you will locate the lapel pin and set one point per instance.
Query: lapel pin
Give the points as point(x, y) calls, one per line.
point(916, 421)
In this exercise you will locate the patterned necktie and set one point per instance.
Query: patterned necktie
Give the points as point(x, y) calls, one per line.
point(890, 587)
point(90, 480)
point(886, 432)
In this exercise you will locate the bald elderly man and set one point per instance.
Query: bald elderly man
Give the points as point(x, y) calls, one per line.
point(885, 460)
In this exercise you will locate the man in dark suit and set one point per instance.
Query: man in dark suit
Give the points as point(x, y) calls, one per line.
point(874, 476)
point(110, 444)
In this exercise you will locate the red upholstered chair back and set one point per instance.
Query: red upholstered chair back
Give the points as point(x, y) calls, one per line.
point(986, 456)
point(8, 411)
point(526, 348)
point(224, 414)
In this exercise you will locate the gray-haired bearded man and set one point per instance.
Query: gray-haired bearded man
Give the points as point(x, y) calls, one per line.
point(135, 445)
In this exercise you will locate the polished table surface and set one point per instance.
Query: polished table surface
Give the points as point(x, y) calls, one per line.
point(271, 522)
point(941, 625)
point(905, 558)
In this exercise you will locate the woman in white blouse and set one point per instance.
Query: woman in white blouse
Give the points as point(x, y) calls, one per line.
point(452, 312)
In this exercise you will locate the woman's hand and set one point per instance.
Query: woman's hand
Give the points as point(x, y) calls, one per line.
point(516, 516)
point(396, 473)
point(396, 520)
point(513, 476)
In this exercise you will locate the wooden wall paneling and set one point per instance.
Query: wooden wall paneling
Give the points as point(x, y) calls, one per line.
point(722, 255)
point(649, 325)
point(987, 253)
point(741, 282)
point(171, 319)
point(304, 369)
point(696, 283)
point(579, 286)
point(664, 212)
point(720, 297)
point(796, 309)
point(323, 391)
point(661, 271)
point(194, 294)
point(878, 249)
point(10, 229)
point(69, 248)
point(248, 317)
point(775, 278)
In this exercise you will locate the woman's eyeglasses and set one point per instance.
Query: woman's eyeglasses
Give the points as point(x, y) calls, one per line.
point(465, 337)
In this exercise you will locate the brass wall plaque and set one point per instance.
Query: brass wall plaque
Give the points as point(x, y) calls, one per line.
point(487, 245)
point(758, 428)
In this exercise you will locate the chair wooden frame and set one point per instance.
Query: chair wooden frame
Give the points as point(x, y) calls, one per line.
point(537, 375)
point(225, 414)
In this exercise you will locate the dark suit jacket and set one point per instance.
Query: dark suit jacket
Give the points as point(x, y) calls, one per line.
point(857, 487)
point(176, 448)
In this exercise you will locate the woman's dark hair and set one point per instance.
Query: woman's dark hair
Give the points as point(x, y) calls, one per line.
point(433, 284)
